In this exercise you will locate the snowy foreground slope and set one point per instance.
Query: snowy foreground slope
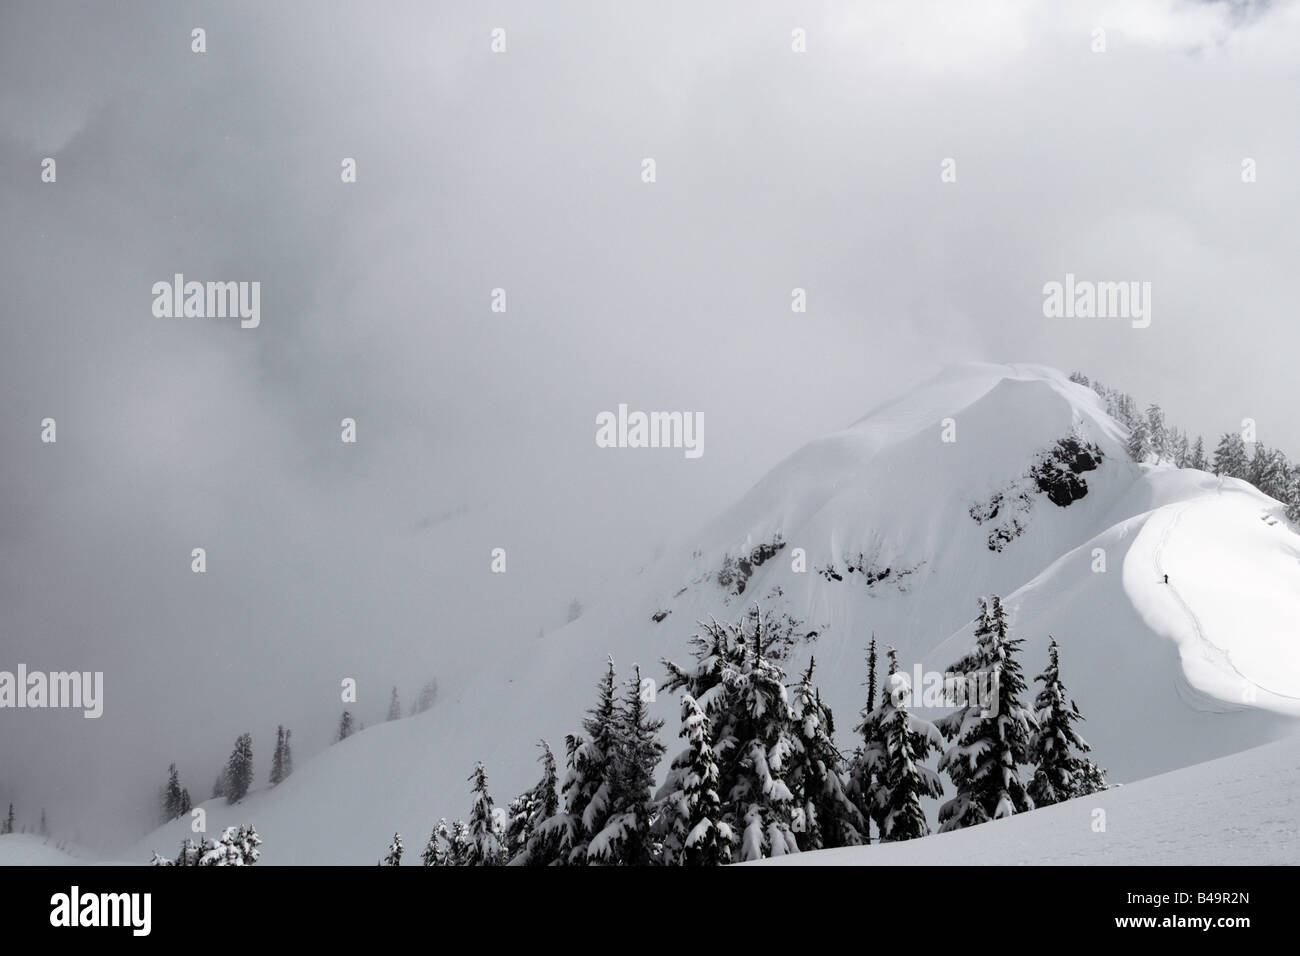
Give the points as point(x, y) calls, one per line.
point(1242, 809)
point(902, 531)
point(26, 849)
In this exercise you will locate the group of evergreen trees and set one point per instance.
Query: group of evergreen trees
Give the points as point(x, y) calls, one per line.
point(760, 774)
point(175, 798)
point(236, 778)
point(238, 846)
point(282, 759)
point(1150, 437)
point(7, 825)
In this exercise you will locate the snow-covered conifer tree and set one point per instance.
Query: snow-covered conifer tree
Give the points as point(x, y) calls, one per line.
point(904, 740)
point(345, 727)
point(990, 737)
point(626, 838)
point(824, 815)
point(239, 769)
point(1139, 442)
point(277, 758)
point(1055, 746)
point(394, 707)
point(527, 842)
point(690, 824)
point(1230, 457)
point(743, 692)
point(485, 824)
point(1198, 460)
point(394, 856)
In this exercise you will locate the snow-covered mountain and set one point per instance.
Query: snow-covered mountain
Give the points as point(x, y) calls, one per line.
point(989, 479)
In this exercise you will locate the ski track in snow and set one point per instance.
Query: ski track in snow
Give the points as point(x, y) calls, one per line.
point(1213, 649)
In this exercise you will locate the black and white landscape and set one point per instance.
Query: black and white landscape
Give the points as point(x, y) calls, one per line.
point(673, 434)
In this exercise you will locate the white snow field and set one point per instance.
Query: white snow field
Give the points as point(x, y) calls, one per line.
point(1167, 675)
point(26, 849)
point(1243, 809)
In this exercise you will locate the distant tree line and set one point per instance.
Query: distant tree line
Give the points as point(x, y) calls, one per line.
point(1152, 439)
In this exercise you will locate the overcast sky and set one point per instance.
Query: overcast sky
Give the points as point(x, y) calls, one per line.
point(522, 170)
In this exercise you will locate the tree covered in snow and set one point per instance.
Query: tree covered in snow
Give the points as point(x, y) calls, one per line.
point(825, 815)
point(1139, 441)
point(7, 826)
point(990, 737)
point(1157, 433)
point(173, 800)
point(1055, 747)
point(589, 777)
point(1293, 499)
point(449, 845)
point(861, 769)
point(238, 846)
point(486, 824)
point(394, 707)
point(626, 838)
point(239, 769)
point(690, 826)
point(1271, 473)
point(902, 741)
point(742, 691)
point(394, 856)
point(1197, 458)
point(527, 843)
point(1230, 457)
point(278, 769)
point(345, 727)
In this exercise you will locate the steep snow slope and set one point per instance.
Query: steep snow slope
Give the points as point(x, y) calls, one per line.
point(890, 489)
point(1241, 809)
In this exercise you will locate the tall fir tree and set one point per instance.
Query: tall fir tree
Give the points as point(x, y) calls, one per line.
point(990, 737)
point(861, 772)
point(589, 779)
point(8, 825)
point(527, 841)
point(172, 795)
point(904, 741)
point(742, 690)
point(277, 758)
point(45, 826)
point(1055, 747)
point(1139, 442)
point(691, 826)
point(626, 838)
point(1198, 460)
point(1230, 457)
point(824, 816)
point(485, 825)
point(239, 769)
point(1273, 476)
point(1157, 434)
point(394, 707)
